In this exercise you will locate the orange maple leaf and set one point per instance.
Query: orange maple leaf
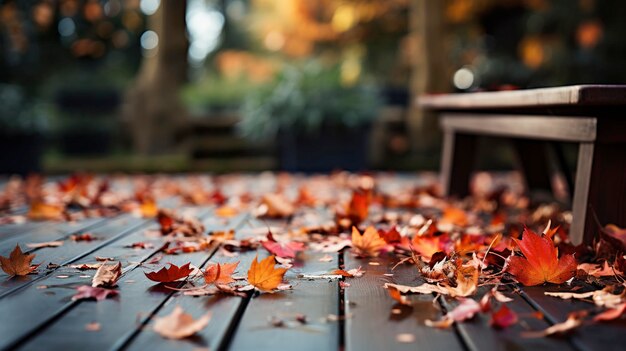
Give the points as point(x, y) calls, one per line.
point(358, 208)
point(263, 275)
point(220, 273)
point(540, 262)
point(369, 244)
point(41, 211)
point(17, 263)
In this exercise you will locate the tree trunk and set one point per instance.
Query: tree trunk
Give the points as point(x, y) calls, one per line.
point(154, 111)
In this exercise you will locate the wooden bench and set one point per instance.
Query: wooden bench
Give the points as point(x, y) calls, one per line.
point(589, 115)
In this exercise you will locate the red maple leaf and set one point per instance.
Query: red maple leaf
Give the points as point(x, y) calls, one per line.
point(503, 318)
point(540, 262)
point(170, 274)
point(285, 250)
point(391, 236)
point(88, 292)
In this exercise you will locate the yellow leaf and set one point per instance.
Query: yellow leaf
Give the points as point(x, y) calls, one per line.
point(369, 244)
point(263, 276)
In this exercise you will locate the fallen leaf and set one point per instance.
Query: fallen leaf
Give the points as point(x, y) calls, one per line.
point(148, 207)
point(83, 237)
point(611, 314)
point(18, 263)
point(170, 274)
point(86, 266)
point(369, 244)
point(226, 212)
point(179, 325)
point(289, 249)
point(220, 273)
point(264, 276)
point(541, 262)
point(276, 206)
point(420, 289)
point(93, 327)
point(503, 318)
point(326, 258)
point(405, 338)
point(358, 208)
point(107, 275)
point(574, 320)
point(391, 236)
point(89, 292)
point(41, 211)
point(44, 244)
point(395, 294)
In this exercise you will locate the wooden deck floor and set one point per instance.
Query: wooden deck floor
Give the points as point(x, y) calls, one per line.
point(37, 312)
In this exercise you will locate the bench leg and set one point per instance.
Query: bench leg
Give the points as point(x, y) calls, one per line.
point(607, 192)
point(581, 192)
point(457, 163)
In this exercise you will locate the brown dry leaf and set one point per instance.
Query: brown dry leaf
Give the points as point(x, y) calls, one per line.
point(44, 244)
point(602, 298)
point(369, 244)
point(574, 320)
point(611, 314)
point(263, 276)
point(107, 275)
point(466, 281)
point(179, 325)
point(277, 206)
point(17, 263)
point(420, 289)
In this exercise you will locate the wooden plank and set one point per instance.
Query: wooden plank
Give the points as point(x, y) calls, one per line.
point(225, 311)
point(547, 127)
point(590, 336)
point(478, 335)
point(139, 299)
point(70, 251)
point(599, 95)
point(54, 309)
point(370, 323)
point(315, 299)
point(47, 231)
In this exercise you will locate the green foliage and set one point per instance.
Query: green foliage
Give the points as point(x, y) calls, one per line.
point(303, 99)
point(20, 115)
point(216, 92)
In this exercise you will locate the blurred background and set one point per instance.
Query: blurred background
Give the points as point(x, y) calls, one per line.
point(299, 85)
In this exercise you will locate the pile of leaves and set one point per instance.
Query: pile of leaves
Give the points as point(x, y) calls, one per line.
point(494, 241)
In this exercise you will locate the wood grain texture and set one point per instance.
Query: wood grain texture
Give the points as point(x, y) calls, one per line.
point(546, 127)
point(608, 336)
point(315, 299)
point(139, 298)
point(478, 335)
point(595, 95)
point(70, 251)
point(370, 323)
